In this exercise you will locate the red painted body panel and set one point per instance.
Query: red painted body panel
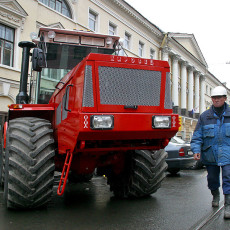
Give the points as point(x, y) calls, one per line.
point(128, 60)
point(132, 128)
point(29, 107)
point(128, 124)
point(44, 111)
point(126, 127)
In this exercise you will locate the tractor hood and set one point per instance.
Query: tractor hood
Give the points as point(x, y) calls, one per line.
point(126, 84)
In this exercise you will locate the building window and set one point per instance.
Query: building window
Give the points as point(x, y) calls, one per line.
point(112, 29)
point(6, 45)
point(206, 89)
point(59, 5)
point(127, 41)
point(93, 17)
point(141, 49)
point(152, 54)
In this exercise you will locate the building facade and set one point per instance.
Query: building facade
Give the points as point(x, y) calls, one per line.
point(191, 82)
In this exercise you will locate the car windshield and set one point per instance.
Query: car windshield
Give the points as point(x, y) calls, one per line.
point(177, 140)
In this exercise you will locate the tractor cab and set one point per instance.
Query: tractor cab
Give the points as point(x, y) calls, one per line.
point(59, 51)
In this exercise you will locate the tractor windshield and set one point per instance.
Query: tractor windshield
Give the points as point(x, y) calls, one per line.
point(60, 59)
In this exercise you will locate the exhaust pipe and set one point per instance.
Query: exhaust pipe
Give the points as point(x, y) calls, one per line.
point(22, 97)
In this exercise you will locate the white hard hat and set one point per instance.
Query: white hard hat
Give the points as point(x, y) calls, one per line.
point(219, 91)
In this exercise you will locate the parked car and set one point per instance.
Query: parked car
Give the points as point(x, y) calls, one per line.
point(180, 155)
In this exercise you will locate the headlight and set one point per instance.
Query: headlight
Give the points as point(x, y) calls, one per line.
point(161, 122)
point(101, 122)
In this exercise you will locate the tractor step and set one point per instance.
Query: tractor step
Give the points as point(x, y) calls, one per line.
point(65, 173)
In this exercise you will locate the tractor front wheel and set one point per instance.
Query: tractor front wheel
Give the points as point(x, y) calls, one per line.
point(142, 176)
point(29, 163)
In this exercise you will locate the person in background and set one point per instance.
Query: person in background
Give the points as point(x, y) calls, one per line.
point(211, 144)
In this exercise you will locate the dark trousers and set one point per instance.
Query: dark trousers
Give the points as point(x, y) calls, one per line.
point(214, 177)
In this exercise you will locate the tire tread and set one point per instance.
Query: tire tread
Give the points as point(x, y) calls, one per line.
point(142, 177)
point(30, 163)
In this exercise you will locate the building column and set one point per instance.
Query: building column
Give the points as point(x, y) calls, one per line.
point(183, 87)
point(165, 54)
point(197, 92)
point(190, 88)
point(202, 94)
point(175, 77)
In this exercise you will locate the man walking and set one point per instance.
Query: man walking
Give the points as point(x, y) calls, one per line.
point(211, 144)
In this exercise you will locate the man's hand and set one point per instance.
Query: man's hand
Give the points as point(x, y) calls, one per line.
point(196, 156)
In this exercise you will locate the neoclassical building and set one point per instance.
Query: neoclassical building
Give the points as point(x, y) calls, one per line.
point(191, 82)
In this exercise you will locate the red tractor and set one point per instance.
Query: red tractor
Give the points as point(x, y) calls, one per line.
point(88, 109)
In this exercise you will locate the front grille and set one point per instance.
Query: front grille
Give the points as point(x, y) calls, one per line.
point(122, 86)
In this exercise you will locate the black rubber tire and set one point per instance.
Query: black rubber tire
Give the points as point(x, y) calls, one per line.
point(2, 164)
point(29, 163)
point(173, 171)
point(144, 172)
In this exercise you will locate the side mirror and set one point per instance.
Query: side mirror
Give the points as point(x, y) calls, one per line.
point(38, 60)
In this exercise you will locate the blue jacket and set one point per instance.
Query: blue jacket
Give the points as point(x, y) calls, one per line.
point(211, 137)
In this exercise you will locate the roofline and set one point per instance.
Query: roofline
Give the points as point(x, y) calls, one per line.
point(192, 37)
point(22, 13)
point(206, 66)
point(139, 17)
point(144, 17)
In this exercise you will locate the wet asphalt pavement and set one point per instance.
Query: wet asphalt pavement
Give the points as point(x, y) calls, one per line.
point(183, 202)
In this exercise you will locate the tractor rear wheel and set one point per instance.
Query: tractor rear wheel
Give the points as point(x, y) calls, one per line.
point(142, 175)
point(29, 163)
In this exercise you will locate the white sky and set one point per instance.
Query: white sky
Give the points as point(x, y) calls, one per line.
point(208, 20)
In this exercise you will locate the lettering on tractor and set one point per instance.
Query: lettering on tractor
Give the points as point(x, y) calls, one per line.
point(85, 109)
